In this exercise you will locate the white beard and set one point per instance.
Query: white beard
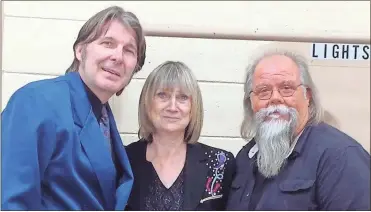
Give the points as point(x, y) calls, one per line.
point(274, 138)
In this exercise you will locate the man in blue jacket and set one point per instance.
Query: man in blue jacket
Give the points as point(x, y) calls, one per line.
point(293, 160)
point(61, 149)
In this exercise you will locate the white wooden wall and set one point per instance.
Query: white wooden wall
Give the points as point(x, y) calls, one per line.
point(38, 38)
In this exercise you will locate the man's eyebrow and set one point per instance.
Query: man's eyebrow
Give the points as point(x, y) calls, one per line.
point(107, 38)
point(129, 45)
point(287, 82)
point(262, 85)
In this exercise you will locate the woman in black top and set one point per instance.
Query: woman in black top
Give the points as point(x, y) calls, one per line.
point(171, 170)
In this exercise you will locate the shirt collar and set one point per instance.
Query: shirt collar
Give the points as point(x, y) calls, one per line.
point(95, 103)
point(295, 148)
point(294, 151)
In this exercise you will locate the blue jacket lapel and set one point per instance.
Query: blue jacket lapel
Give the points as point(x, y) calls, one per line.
point(93, 140)
point(100, 158)
point(126, 180)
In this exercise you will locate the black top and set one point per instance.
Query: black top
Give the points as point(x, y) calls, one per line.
point(95, 102)
point(160, 198)
point(203, 184)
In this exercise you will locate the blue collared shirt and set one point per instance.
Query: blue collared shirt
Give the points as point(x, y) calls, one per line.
point(327, 170)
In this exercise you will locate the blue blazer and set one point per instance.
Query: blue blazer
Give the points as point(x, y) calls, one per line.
point(53, 151)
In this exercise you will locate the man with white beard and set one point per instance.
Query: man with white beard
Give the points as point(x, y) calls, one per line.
point(293, 160)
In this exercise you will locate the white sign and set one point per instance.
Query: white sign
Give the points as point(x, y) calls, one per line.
point(334, 51)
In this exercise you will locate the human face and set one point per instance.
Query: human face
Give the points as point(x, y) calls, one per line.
point(107, 64)
point(279, 72)
point(170, 110)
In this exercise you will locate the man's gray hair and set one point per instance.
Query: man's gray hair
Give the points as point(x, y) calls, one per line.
point(99, 24)
point(248, 128)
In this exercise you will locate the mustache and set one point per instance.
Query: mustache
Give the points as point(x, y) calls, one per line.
point(273, 125)
point(263, 113)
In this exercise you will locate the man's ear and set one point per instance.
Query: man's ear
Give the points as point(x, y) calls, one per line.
point(308, 95)
point(247, 100)
point(79, 52)
point(251, 103)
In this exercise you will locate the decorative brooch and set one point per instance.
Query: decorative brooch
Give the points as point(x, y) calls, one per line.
point(213, 183)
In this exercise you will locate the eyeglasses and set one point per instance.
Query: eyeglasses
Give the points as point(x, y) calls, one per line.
point(265, 93)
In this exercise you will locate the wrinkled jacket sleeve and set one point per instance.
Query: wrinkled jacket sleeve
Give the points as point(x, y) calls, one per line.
point(28, 136)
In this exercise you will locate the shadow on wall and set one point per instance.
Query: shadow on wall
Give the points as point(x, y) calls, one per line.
point(330, 119)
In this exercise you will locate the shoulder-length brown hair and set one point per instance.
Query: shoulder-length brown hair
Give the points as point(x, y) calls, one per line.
point(167, 75)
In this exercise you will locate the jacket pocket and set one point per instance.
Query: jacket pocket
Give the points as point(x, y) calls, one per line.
point(296, 185)
point(296, 194)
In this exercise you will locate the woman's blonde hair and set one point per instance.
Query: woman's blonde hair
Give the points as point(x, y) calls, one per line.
point(171, 74)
